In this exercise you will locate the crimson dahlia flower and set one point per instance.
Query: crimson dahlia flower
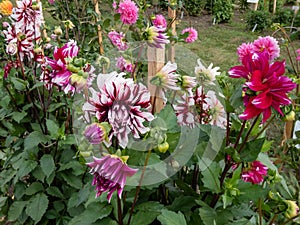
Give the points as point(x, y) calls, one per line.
point(254, 172)
point(110, 173)
point(265, 86)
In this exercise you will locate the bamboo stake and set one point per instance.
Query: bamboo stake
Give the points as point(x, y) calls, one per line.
point(100, 40)
point(172, 16)
point(156, 61)
point(274, 6)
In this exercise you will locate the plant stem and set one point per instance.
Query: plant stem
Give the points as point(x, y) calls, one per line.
point(120, 216)
point(136, 62)
point(248, 134)
point(240, 134)
point(290, 219)
point(139, 185)
point(227, 128)
point(260, 211)
point(265, 127)
point(273, 219)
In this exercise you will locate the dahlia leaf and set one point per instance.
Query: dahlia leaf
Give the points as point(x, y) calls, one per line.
point(211, 177)
point(47, 164)
point(252, 149)
point(15, 210)
point(52, 128)
point(33, 139)
point(37, 207)
point(171, 218)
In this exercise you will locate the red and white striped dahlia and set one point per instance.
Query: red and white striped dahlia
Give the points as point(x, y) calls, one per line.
point(121, 103)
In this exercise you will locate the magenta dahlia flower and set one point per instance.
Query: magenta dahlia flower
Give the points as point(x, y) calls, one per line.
point(268, 44)
point(265, 86)
point(244, 49)
point(128, 11)
point(123, 65)
point(192, 34)
point(95, 133)
point(160, 22)
point(121, 103)
point(117, 40)
point(254, 172)
point(110, 173)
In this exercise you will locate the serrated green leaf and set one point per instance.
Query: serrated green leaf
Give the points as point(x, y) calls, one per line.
point(34, 188)
point(2, 201)
point(171, 218)
point(47, 164)
point(149, 206)
point(210, 177)
point(37, 206)
point(19, 84)
point(38, 173)
point(93, 212)
point(33, 139)
point(54, 191)
point(143, 217)
point(18, 116)
point(251, 150)
point(168, 119)
point(15, 210)
point(27, 167)
point(71, 179)
point(55, 106)
point(183, 204)
point(53, 128)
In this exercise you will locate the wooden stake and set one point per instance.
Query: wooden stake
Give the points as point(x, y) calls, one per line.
point(100, 40)
point(255, 6)
point(172, 16)
point(274, 6)
point(156, 61)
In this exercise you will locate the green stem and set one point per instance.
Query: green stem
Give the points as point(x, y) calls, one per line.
point(260, 211)
point(290, 219)
point(120, 216)
point(139, 185)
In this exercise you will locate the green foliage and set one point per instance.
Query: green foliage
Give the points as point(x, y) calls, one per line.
point(283, 16)
point(260, 19)
point(222, 11)
point(194, 7)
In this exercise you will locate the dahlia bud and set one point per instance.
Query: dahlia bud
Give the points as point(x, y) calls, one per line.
point(58, 31)
point(11, 49)
point(35, 6)
point(78, 81)
point(38, 50)
point(290, 116)
point(69, 24)
point(292, 209)
point(47, 39)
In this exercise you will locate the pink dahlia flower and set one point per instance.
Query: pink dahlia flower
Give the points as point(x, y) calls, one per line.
point(298, 52)
point(95, 133)
point(192, 34)
point(117, 40)
point(110, 174)
point(268, 44)
point(123, 65)
point(128, 11)
point(121, 103)
point(160, 22)
point(244, 49)
point(265, 86)
point(254, 172)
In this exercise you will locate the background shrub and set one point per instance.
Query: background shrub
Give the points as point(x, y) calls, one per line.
point(261, 18)
point(222, 10)
point(194, 7)
point(284, 16)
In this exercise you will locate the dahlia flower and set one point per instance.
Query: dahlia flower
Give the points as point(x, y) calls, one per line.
point(254, 172)
point(216, 110)
point(192, 34)
point(185, 111)
point(95, 133)
point(11, 49)
point(160, 22)
point(292, 209)
point(244, 49)
point(298, 52)
point(123, 65)
point(154, 37)
point(265, 86)
point(268, 44)
point(118, 40)
point(207, 76)
point(110, 174)
point(60, 75)
point(122, 104)
point(128, 11)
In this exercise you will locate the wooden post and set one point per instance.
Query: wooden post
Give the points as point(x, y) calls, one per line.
point(274, 6)
point(255, 6)
point(101, 50)
point(172, 16)
point(156, 61)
